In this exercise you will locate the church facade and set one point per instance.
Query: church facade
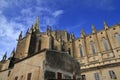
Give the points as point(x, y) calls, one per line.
point(98, 53)
point(38, 56)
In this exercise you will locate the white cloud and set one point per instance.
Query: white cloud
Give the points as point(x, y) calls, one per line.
point(9, 31)
point(26, 11)
point(3, 4)
point(57, 13)
point(49, 16)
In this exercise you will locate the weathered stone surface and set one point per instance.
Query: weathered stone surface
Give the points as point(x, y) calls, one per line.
point(62, 61)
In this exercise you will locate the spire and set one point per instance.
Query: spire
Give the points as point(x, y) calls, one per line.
point(27, 31)
point(93, 29)
point(4, 56)
point(48, 30)
point(12, 53)
point(105, 25)
point(72, 35)
point(36, 25)
point(82, 33)
point(20, 36)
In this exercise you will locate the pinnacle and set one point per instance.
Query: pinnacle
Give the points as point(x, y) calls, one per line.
point(105, 25)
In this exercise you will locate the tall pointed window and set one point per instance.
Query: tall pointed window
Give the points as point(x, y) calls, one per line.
point(105, 43)
point(112, 74)
point(51, 43)
point(96, 75)
point(92, 47)
point(16, 78)
point(83, 77)
point(69, 51)
point(39, 46)
point(118, 38)
point(81, 52)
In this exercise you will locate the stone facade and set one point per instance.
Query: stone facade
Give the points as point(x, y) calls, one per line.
point(98, 53)
point(40, 56)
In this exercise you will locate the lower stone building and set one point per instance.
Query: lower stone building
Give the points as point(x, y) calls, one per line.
point(43, 65)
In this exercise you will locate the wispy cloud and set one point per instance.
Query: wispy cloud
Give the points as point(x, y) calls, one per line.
point(57, 13)
point(105, 4)
point(3, 4)
point(9, 31)
point(99, 4)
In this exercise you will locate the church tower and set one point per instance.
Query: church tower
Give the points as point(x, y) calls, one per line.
point(26, 45)
point(34, 41)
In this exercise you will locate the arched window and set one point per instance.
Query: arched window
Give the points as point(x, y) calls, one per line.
point(92, 46)
point(112, 75)
point(83, 77)
point(104, 43)
point(81, 52)
point(96, 75)
point(117, 37)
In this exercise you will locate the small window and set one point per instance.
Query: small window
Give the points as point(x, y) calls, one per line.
point(83, 77)
point(29, 76)
point(16, 78)
point(92, 47)
point(74, 77)
point(113, 28)
point(118, 38)
point(59, 76)
point(105, 44)
point(112, 74)
point(81, 52)
point(96, 75)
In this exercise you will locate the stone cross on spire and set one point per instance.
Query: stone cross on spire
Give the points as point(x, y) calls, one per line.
point(105, 25)
point(82, 33)
point(93, 29)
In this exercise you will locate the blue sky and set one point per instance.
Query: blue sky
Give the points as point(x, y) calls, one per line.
point(70, 15)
